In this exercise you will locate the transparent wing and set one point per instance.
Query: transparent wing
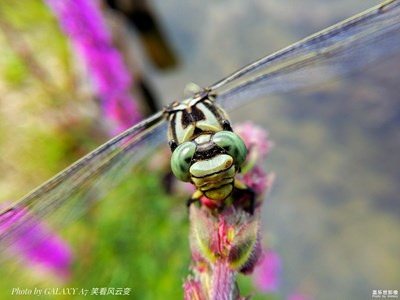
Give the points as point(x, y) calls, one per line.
point(73, 185)
point(337, 50)
point(341, 49)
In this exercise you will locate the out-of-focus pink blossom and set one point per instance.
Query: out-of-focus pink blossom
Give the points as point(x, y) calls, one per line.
point(267, 272)
point(83, 23)
point(36, 244)
point(258, 145)
point(258, 180)
point(256, 140)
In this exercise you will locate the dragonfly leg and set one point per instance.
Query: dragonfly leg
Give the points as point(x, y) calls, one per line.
point(244, 197)
point(194, 198)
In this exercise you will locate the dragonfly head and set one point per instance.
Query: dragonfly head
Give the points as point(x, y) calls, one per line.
point(210, 162)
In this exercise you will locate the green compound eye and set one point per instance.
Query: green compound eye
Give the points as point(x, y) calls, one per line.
point(232, 144)
point(181, 159)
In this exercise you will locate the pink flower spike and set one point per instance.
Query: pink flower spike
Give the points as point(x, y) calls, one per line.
point(83, 23)
point(267, 272)
point(36, 244)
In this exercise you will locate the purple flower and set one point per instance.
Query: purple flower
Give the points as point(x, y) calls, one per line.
point(35, 243)
point(83, 23)
point(267, 272)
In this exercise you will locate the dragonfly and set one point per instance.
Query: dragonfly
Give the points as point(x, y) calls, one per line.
point(336, 51)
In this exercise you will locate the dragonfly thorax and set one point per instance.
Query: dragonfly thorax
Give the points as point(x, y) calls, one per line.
point(193, 117)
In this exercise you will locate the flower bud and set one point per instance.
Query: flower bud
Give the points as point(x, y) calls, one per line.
point(232, 235)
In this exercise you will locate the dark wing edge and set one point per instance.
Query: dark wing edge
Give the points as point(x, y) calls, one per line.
point(338, 50)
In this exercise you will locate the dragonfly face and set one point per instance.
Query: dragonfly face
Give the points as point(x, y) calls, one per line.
point(205, 150)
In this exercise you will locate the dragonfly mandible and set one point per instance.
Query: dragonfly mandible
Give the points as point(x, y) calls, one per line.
point(338, 50)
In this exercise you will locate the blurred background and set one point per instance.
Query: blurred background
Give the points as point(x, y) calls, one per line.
point(333, 213)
